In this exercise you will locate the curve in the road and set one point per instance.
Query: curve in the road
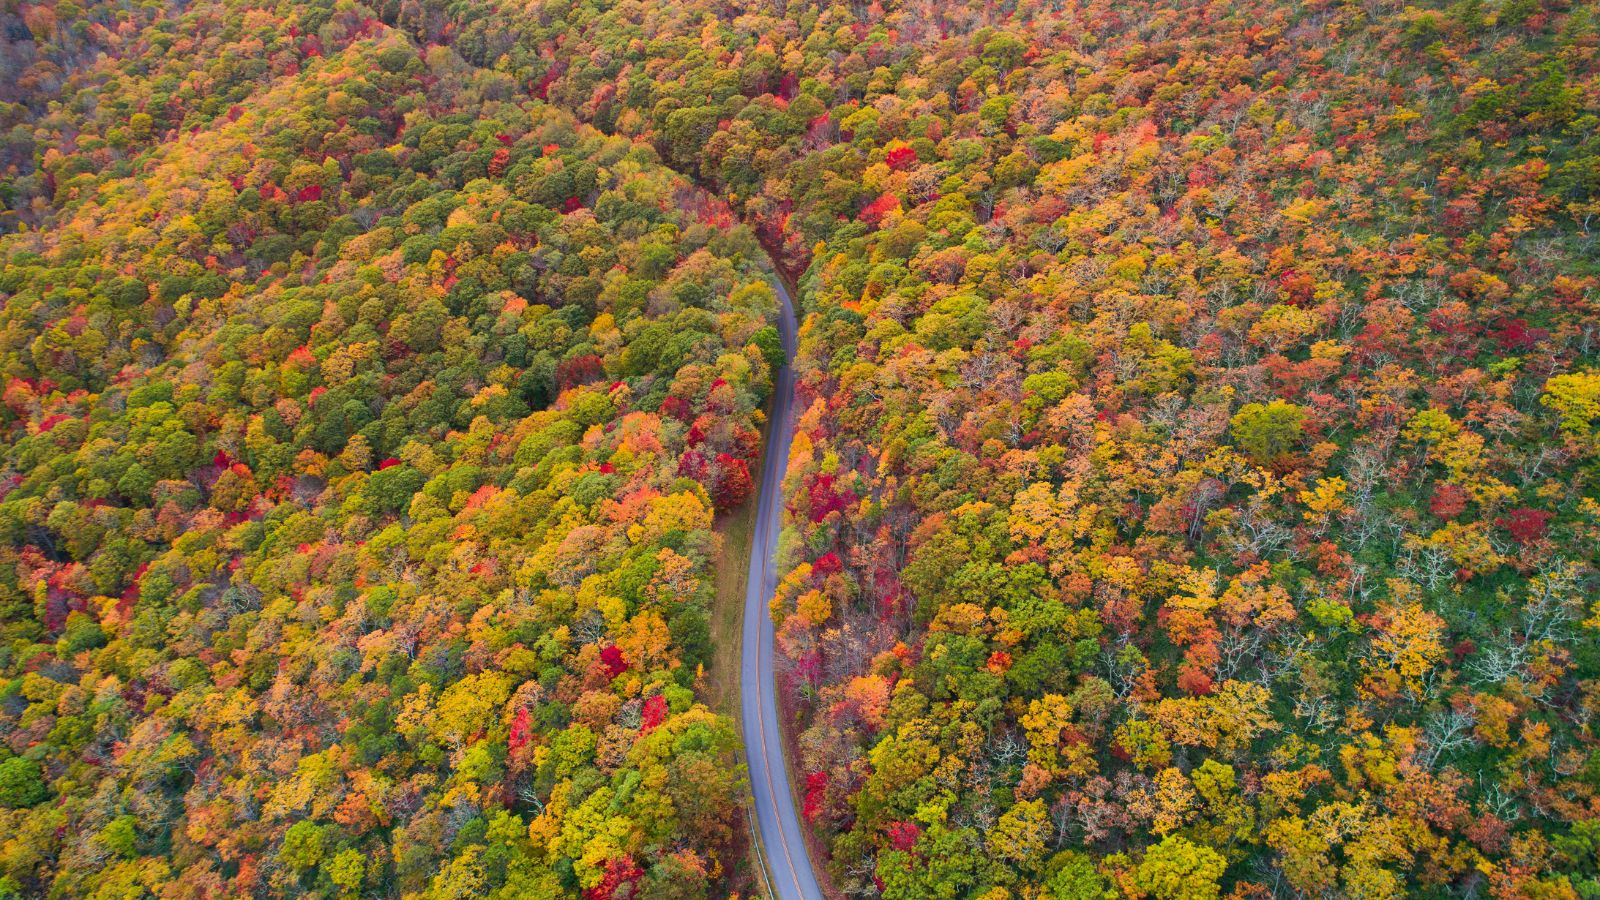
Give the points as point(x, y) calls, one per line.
point(791, 876)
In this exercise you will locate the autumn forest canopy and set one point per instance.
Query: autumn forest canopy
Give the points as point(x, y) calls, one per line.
point(1194, 493)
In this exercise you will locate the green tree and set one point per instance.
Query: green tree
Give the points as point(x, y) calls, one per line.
point(120, 836)
point(21, 783)
point(1075, 878)
point(346, 869)
point(391, 489)
point(1268, 432)
point(303, 845)
point(1177, 869)
point(770, 343)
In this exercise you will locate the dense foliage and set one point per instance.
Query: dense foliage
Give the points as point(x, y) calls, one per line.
point(362, 443)
point(1196, 489)
point(1198, 486)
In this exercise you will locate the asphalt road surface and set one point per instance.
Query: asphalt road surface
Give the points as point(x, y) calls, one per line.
point(791, 876)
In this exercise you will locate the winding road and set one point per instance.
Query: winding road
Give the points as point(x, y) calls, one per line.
point(783, 846)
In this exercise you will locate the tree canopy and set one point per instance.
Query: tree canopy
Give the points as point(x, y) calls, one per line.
point(1194, 490)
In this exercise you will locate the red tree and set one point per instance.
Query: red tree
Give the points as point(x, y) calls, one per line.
point(733, 485)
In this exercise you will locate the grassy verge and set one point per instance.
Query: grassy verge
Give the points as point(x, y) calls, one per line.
point(721, 686)
point(727, 614)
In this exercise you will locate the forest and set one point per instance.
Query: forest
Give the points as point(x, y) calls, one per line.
point(1194, 491)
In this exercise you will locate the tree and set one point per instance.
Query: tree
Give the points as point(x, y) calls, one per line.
point(391, 489)
point(733, 485)
point(1075, 878)
point(303, 845)
point(1576, 398)
point(346, 869)
point(21, 783)
point(1268, 432)
point(770, 343)
point(1019, 836)
point(1178, 869)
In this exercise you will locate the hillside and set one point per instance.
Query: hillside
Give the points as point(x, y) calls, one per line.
point(364, 432)
point(1194, 491)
